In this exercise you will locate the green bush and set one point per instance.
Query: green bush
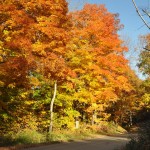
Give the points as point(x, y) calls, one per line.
point(53, 137)
point(28, 136)
point(65, 135)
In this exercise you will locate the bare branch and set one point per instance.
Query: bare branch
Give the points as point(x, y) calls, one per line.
point(146, 49)
point(148, 14)
point(140, 14)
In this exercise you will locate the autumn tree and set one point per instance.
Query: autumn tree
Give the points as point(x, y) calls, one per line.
point(96, 56)
point(144, 66)
point(56, 67)
point(144, 61)
point(33, 39)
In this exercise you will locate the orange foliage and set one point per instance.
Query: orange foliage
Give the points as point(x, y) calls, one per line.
point(37, 32)
point(98, 59)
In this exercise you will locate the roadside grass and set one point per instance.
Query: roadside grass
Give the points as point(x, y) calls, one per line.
point(25, 136)
point(33, 137)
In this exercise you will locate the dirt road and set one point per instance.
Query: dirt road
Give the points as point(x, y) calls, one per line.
point(98, 143)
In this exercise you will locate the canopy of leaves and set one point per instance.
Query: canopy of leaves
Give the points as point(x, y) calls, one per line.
point(41, 43)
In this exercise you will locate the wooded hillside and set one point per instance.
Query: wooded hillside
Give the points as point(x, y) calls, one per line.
point(58, 67)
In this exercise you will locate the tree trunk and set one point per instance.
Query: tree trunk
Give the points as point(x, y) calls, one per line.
point(76, 123)
point(51, 107)
point(93, 118)
point(131, 118)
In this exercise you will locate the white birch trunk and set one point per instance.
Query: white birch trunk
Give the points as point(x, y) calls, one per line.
point(51, 107)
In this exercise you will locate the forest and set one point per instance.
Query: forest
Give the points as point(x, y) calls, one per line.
point(58, 68)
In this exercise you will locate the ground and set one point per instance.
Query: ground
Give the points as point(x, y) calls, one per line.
point(100, 142)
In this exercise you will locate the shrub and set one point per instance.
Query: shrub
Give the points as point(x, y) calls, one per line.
point(59, 137)
point(28, 136)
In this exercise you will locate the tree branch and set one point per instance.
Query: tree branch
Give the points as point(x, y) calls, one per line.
point(146, 13)
point(140, 14)
point(146, 49)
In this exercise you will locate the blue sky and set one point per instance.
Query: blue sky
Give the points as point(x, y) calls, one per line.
point(133, 25)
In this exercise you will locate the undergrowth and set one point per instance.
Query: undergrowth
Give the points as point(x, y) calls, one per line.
point(28, 136)
point(142, 141)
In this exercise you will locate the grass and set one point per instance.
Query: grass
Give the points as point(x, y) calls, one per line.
point(30, 137)
point(25, 136)
point(107, 128)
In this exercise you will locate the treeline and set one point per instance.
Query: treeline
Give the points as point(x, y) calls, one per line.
point(58, 67)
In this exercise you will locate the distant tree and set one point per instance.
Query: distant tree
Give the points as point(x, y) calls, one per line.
point(144, 66)
point(144, 60)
